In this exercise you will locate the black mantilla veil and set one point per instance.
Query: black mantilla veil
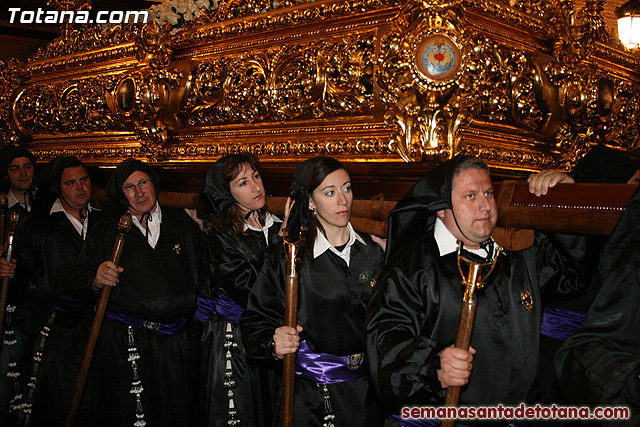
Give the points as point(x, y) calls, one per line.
point(118, 202)
point(415, 214)
point(216, 199)
point(307, 176)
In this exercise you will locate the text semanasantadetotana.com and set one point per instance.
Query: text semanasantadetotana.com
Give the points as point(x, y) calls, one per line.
point(522, 412)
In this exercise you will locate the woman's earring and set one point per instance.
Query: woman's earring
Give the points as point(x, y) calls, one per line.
point(314, 213)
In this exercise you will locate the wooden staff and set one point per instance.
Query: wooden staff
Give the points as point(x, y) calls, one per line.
point(124, 227)
point(4, 207)
point(473, 282)
point(290, 319)
point(4, 288)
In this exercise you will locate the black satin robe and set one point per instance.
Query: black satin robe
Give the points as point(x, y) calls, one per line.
point(158, 285)
point(332, 299)
point(237, 260)
point(414, 314)
point(47, 247)
point(600, 364)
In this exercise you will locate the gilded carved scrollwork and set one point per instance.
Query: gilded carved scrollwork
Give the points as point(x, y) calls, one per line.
point(423, 68)
point(323, 79)
point(284, 150)
point(563, 96)
point(522, 84)
point(488, 81)
point(64, 107)
point(9, 81)
point(597, 105)
point(139, 98)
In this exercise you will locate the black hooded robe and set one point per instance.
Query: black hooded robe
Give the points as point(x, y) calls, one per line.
point(237, 260)
point(47, 246)
point(157, 285)
point(601, 165)
point(415, 308)
point(414, 313)
point(332, 298)
point(600, 364)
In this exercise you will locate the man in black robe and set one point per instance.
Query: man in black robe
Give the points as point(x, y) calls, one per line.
point(414, 311)
point(141, 358)
point(46, 247)
point(563, 317)
point(17, 169)
point(600, 364)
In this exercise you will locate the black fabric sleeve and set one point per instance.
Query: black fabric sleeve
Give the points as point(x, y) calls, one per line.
point(265, 306)
point(234, 271)
point(557, 276)
point(403, 359)
point(600, 364)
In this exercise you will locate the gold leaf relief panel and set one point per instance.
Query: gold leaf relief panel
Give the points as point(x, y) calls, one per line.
point(332, 78)
point(9, 79)
point(65, 107)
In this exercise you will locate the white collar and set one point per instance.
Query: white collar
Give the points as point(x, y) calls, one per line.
point(12, 200)
point(448, 243)
point(153, 225)
point(81, 227)
point(57, 207)
point(321, 245)
point(269, 220)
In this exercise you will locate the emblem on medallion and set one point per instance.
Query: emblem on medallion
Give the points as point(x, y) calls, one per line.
point(364, 276)
point(526, 299)
point(355, 361)
point(177, 249)
point(438, 57)
point(151, 325)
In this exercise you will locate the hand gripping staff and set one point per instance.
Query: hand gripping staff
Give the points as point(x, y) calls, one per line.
point(293, 238)
point(124, 227)
point(472, 282)
point(4, 288)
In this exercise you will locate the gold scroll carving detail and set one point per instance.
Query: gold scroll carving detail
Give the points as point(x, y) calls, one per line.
point(563, 95)
point(9, 79)
point(536, 83)
point(319, 80)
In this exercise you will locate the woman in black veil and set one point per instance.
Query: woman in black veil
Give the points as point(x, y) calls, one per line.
point(337, 272)
point(240, 230)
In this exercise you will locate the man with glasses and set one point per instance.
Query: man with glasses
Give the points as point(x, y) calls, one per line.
point(140, 362)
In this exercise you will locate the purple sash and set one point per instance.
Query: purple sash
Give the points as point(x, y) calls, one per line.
point(221, 304)
point(64, 303)
point(158, 328)
point(325, 368)
point(560, 324)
